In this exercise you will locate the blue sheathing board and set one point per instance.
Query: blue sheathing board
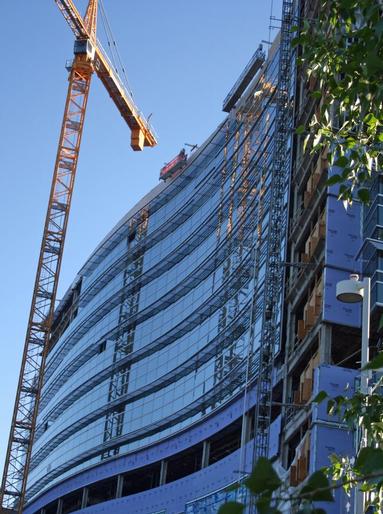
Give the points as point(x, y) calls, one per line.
point(164, 449)
point(328, 436)
point(334, 311)
point(326, 440)
point(343, 238)
point(343, 242)
point(275, 433)
point(173, 497)
point(335, 381)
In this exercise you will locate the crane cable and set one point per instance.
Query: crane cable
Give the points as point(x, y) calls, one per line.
point(114, 52)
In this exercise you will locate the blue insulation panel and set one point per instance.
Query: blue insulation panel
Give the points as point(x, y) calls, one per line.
point(328, 436)
point(334, 311)
point(275, 432)
point(171, 498)
point(155, 453)
point(343, 239)
point(335, 381)
point(325, 441)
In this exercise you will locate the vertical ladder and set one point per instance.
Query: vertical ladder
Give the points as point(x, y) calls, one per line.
point(119, 380)
point(272, 306)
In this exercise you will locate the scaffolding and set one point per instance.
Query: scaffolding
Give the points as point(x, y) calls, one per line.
point(271, 316)
point(119, 380)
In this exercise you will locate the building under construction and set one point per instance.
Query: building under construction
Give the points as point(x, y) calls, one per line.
point(192, 340)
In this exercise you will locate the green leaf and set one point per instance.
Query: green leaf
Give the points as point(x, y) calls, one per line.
point(305, 142)
point(296, 41)
point(231, 508)
point(370, 120)
point(322, 395)
point(317, 140)
point(378, 425)
point(350, 142)
point(341, 162)
point(317, 488)
point(335, 179)
point(299, 130)
point(263, 477)
point(373, 62)
point(379, 28)
point(330, 407)
point(370, 460)
point(233, 487)
point(364, 195)
point(376, 363)
point(263, 506)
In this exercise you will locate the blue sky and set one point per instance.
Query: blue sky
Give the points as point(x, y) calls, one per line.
point(181, 58)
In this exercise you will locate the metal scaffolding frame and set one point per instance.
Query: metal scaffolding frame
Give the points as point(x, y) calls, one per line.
point(272, 309)
point(119, 380)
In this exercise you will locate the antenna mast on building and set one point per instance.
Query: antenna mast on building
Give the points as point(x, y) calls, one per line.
point(88, 58)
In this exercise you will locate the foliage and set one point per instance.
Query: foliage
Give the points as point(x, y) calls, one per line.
point(342, 55)
point(271, 495)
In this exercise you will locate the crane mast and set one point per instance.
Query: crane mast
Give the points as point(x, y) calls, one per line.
point(88, 58)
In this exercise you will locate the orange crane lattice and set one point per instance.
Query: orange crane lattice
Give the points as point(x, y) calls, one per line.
point(88, 58)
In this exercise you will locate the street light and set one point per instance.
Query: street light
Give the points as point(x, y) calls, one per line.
point(352, 291)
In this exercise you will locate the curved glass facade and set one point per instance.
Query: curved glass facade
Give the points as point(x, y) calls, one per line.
point(161, 327)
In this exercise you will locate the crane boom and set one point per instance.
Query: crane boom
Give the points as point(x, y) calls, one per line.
point(141, 132)
point(86, 61)
point(73, 18)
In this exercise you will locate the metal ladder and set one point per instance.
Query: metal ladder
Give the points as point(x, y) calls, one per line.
point(272, 306)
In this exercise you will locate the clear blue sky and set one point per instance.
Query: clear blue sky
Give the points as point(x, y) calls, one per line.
point(181, 57)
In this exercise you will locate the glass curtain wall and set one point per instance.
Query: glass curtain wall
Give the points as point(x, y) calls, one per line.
point(159, 336)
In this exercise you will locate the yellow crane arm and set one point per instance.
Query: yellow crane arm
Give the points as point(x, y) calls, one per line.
point(142, 132)
point(73, 18)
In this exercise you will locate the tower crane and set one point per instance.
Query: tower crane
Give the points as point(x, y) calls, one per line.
point(89, 57)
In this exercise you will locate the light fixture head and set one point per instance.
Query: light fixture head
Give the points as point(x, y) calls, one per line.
point(350, 291)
